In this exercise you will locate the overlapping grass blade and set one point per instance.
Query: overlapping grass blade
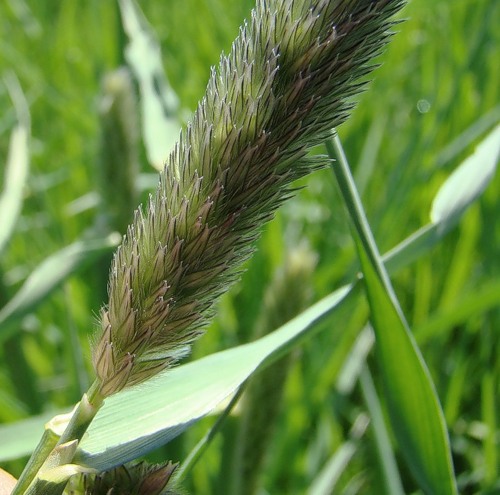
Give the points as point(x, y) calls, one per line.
point(326, 481)
point(413, 406)
point(391, 477)
point(416, 416)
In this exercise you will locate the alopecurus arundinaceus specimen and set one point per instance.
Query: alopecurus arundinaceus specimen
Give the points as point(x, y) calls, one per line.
point(288, 80)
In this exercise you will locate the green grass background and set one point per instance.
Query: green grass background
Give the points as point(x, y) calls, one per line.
point(435, 95)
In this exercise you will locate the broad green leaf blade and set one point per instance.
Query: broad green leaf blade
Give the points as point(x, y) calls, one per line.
point(416, 416)
point(159, 103)
point(16, 173)
point(49, 274)
point(467, 182)
point(138, 420)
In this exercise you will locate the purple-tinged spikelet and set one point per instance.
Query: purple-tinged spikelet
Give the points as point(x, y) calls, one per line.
point(286, 83)
point(131, 479)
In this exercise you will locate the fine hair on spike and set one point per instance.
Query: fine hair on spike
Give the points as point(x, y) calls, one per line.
point(288, 80)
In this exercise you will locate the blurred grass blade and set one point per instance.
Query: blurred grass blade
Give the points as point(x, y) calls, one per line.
point(467, 182)
point(159, 103)
point(16, 173)
point(489, 394)
point(413, 406)
point(327, 479)
point(473, 132)
point(479, 302)
point(413, 247)
point(385, 452)
point(48, 275)
point(17, 166)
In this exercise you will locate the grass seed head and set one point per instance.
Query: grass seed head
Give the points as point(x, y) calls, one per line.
point(287, 81)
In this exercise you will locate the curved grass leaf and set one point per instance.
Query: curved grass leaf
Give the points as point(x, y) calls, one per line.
point(462, 188)
point(17, 166)
point(468, 136)
point(48, 275)
point(416, 415)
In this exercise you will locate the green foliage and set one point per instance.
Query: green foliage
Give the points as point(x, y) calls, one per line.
point(435, 96)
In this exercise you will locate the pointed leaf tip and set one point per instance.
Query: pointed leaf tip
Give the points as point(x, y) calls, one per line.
point(467, 182)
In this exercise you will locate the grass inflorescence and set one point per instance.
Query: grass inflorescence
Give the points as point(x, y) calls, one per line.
point(432, 100)
point(286, 83)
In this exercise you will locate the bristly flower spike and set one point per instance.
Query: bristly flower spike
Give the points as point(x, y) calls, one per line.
point(287, 81)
